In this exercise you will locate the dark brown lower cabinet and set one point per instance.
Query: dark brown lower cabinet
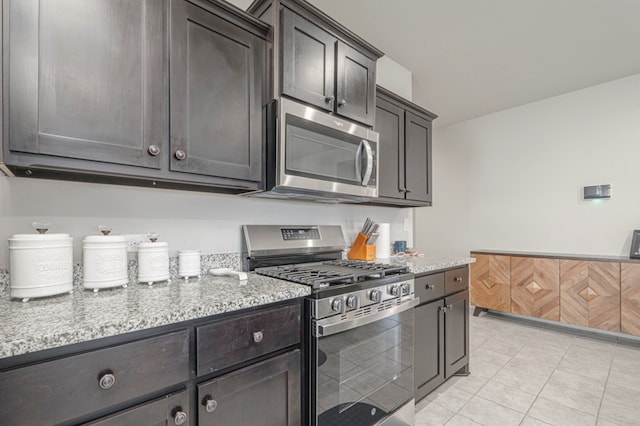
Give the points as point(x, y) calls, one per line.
point(441, 330)
point(169, 410)
point(263, 394)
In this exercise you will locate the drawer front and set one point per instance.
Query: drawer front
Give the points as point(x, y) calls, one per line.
point(429, 287)
point(61, 390)
point(225, 343)
point(456, 280)
point(168, 410)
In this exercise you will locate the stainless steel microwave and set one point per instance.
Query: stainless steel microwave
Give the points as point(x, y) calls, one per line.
point(313, 154)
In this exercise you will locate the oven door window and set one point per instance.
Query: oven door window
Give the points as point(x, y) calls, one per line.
point(365, 373)
point(318, 152)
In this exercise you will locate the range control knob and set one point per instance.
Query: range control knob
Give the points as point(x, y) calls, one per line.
point(336, 305)
point(375, 296)
point(406, 289)
point(353, 302)
point(394, 290)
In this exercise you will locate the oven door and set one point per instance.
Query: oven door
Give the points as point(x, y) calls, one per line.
point(362, 369)
point(323, 153)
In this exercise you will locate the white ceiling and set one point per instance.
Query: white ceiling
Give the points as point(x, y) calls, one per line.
point(470, 57)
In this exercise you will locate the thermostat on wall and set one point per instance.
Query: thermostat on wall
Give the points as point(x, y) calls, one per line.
point(596, 191)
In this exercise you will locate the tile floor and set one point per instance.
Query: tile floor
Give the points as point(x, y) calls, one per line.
point(524, 374)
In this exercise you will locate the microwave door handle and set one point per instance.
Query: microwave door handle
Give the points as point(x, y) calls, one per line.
point(369, 170)
point(359, 162)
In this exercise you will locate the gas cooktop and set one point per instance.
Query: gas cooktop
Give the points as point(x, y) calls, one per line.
point(323, 274)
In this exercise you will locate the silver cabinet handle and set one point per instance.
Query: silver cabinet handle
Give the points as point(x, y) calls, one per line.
point(258, 336)
point(458, 279)
point(450, 307)
point(342, 102)
point(180, 417)
point(369, 169)
point(430, 287)
point(107, 380)
point(180, 154)
point(153, 150)
point(329, 99)
point(210, 404)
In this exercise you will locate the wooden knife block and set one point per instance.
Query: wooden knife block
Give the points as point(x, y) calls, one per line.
point(360, 250)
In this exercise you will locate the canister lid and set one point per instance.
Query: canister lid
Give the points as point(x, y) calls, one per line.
point(39, 237)
point(188, 252)
point(104, 239)
point(152, 245)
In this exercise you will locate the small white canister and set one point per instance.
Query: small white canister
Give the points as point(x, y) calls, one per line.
point(189, 263)
point(153, 261)
point(104, 260)
point(40, 264)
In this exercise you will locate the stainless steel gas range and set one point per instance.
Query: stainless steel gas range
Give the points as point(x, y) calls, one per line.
point(359, 324)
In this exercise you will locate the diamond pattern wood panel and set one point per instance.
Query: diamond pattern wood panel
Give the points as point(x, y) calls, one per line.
point(490, 282)
point(535, 287)
point(590, 294)
point(630, 309)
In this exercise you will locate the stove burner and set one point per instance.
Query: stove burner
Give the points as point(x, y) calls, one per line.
point(383, 268)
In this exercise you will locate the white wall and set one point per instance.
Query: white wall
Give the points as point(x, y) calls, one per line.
point(525, 168)
point(185, 219)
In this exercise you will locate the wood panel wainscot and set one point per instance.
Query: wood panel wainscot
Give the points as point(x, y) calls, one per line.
point(490, 282)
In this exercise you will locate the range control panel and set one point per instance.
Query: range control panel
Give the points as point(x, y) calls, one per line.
point(300, 234)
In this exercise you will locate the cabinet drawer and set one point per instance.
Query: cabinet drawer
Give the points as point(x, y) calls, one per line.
point(225, 343)
point(168, 410)
point(429, 287)
point(456, 280)
point(61, 390)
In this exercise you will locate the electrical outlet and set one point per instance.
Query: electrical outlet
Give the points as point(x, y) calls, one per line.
point(133, 240)
point(407, 224)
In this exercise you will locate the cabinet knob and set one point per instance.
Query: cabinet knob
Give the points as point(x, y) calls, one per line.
point(342, 102)
point(180, 417)
point(180, 154)
point(450, 307)
point(107, 380)
point(402, 189)
point(210, 404)
point(329, 99)
point(258, 336)
point(443, 308)
point(458, 279)
point(407, 190)
point(430, 287)
point(153, 150)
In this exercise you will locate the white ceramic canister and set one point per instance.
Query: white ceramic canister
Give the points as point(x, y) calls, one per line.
point(104, 261)
point(189, 263)
point(153, 261)
point(40, 265)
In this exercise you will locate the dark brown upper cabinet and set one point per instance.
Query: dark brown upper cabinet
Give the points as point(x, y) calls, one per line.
point(217, 75)
point(405, 151)
point(318, 61)
point(163, 93)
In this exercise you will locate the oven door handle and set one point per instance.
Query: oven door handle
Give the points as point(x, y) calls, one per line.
point(329, 326)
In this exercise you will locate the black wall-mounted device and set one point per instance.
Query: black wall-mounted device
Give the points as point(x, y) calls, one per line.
point(596, 191)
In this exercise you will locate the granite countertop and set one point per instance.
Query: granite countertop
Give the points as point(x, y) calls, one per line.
point(65, 319)
point(422, 264)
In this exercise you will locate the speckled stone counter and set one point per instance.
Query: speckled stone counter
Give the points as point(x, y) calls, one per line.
point(65, 319)
point(421, 264)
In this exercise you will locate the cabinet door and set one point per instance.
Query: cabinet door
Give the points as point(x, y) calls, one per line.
point(169, 410)
point(87, 79)
point(216, 95)
point(355, 85)
point(263, 394)
point(491, 282)
point(630, 287)
point(308, 61)
point(590, 294)
point(456, 333)
point(429, 348)
point(535, 287)
point(417, 158)
point(390, 126)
